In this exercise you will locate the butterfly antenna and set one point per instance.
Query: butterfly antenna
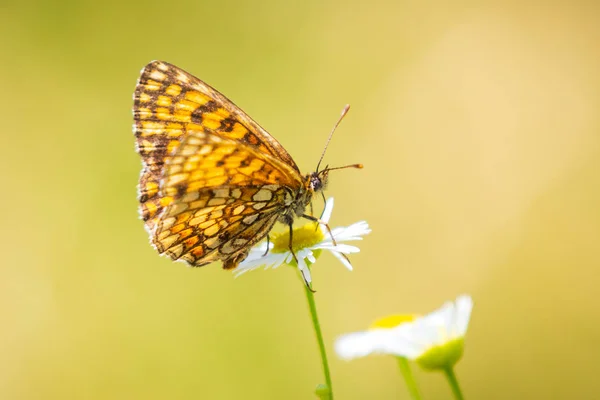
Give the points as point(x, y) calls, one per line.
point(344, 112)
point(359, 166)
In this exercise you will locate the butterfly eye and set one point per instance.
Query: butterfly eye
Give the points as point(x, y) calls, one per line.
point(316, 182)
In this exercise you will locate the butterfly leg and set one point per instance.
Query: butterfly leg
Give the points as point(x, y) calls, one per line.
point(324, 204)
point(268, 244)
point(311, 218)
point(291, 243)
point(315, 219)
point(313, 214)
point(306, 282)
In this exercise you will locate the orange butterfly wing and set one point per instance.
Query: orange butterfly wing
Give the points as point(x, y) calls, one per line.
point(213, 181)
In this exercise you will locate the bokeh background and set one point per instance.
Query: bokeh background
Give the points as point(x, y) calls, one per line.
point(478, 126)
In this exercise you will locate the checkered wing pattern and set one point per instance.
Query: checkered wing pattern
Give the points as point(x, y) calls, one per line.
point(213, 181)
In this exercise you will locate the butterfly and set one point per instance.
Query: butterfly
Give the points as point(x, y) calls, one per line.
point(213, 181)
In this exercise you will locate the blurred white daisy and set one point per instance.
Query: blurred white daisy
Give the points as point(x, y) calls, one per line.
point(434, 341)
point(308, 241)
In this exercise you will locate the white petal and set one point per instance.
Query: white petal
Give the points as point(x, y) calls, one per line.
point(408, 349)
point(436, 327)
point(352, 232)
point(447, 323)
point(342, 260)
point(304, 253)
point(278, 259)
point(311, 257)
point(396, 341)
point(302, 265)
point(326, 216)
point(307, 277)
point(288, 257)
point(257, 260)
point(340, 248)
point(440, 315)
point(360, 344)
point(406, 343)
point(464, 306)
point(258, 251)
point(429, 331)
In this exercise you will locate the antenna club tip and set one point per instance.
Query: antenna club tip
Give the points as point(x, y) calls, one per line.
point(360, 166)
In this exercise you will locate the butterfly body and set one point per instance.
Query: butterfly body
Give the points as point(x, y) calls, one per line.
point(213, 181)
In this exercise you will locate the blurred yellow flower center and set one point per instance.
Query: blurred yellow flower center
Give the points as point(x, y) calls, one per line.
point(303, 237)
point(442, 356)
point(392, 321)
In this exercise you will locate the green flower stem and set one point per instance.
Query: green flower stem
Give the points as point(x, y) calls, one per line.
point(449, 371)
point(409, 378)
point(323, 393)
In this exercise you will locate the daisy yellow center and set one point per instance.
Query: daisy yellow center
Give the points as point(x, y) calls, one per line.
point(442, 356)
point(392, 321)
point(303, 237)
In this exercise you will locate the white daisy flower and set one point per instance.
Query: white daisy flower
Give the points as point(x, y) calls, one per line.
point(434, 341)
point(308, 242)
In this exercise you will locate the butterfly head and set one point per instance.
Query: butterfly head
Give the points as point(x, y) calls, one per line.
point(317, 181)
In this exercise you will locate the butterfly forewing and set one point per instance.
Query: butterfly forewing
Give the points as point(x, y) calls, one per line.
point(213, 181)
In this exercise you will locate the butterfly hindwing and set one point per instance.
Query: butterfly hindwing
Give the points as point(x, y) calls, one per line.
point(225, 199)
point(203, 235)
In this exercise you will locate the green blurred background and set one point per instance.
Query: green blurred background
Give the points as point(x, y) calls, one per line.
point(478, 126)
